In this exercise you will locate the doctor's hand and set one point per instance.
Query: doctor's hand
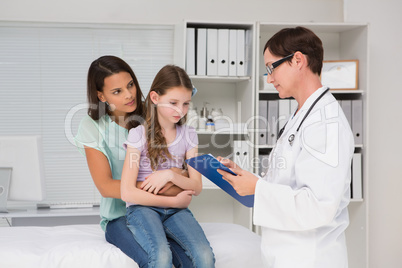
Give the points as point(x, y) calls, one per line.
point(244, 183)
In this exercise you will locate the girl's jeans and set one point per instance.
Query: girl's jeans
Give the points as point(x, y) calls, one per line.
point(119, 235)
point(153, 226)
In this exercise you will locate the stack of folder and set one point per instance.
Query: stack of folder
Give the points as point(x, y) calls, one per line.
point(216, 52)
point(273, 114)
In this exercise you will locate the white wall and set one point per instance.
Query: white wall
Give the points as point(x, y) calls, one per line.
point(171, 11)
point(385, 126)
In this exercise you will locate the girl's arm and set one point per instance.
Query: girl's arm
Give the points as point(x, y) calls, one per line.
point(157, 180)
point(102, 175)
point(130, 193)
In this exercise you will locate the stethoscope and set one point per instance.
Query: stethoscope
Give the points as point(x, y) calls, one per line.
point(291, 137)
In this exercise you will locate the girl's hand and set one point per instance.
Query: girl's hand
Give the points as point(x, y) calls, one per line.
point(157, 180)
point(183, 199)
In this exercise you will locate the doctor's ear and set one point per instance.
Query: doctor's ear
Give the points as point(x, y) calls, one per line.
point(154, 97)
point(300, 59)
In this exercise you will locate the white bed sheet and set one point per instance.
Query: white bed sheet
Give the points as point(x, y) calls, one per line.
point(75, 246)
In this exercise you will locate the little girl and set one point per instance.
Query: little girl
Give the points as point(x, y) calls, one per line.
point(163, 142)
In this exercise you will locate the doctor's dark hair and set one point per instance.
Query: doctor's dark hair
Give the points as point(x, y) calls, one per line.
point(100, 69)
point(170, 76)
point(290, 40)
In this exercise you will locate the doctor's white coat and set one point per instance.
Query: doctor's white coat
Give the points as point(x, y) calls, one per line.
point(301, 203)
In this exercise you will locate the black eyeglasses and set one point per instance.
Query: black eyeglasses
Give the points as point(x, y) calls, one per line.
point(271, 68)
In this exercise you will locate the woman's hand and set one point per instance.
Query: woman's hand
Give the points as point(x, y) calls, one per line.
point(183, 199)
point(244, 183)
point(157, 180)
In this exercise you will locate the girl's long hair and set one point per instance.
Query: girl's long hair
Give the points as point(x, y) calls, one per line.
point(168, 77)
point(100, 69)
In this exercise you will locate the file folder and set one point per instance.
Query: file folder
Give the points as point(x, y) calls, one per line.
point(262, 122)
point(190, 51)
point(357, 176)
point(207, 165)
point(237, 153)
point(232, 52)
point(284, 112)
point(223, 52)
point(357, 120)
point(212, 51)
point(246, 155)
point(272, 122)
point(241, 66)
point(201, 51)
point(263, 164)
point(347, 110)
point(293, 107)
point(241, 154)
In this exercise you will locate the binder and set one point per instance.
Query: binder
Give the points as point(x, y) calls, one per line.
point(284, 112)
point(357, 120)
point(223, 52)
point(263, 162)
point(237, 153)
point(212, 51)
point(232, 52)
point(241, 155)
point(293, 107)
point(357, 190)
point(241, 35)
point(201, 51)
point(272, 122)
point(190, 51)
point(246, 155)
point(262, 122)
point(347, 110)
point(207, 165)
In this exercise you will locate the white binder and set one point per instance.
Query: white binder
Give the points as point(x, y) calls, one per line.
point(357, 190)
point(262, 122)
point(263, 162)
point(190, 51)
point(347, 110)
point(284, 112)
point(223, 52)
point(246, 155)
point(272, 122)
point(293, 106)
point(201, 51)
point(241, 36)
point(357, 120)
point(212, 51)
point(241, 154)
point(232, 52)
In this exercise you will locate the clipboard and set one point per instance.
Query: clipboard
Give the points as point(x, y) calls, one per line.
point(207, 165)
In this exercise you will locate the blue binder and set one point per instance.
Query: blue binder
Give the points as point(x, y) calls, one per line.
point(207, 165)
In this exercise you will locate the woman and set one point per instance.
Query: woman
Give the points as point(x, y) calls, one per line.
point(301, 204)
point(115, 105)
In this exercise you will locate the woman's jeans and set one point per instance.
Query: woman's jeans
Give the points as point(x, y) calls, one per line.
point(153, 226)
point(119, 235)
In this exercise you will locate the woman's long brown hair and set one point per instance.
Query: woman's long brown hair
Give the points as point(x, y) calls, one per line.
point(101, 68)
point(168, 77)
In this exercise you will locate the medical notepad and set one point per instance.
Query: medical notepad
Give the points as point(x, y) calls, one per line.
point(207, 165)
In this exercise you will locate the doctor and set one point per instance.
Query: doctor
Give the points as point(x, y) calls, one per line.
point(301, 202)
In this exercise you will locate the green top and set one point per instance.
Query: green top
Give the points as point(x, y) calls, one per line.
point(108, 137)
